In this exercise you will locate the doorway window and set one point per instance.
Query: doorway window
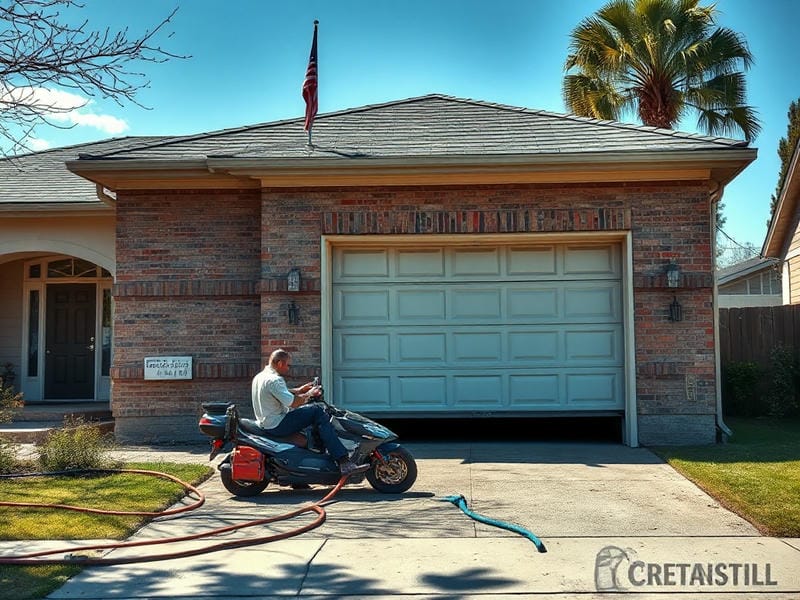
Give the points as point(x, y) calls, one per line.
point(33, 333)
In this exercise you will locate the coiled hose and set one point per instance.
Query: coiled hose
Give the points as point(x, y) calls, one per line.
point(70, 555)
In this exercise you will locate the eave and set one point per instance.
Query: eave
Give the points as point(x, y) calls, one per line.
point(715, 166)
point(785, 218)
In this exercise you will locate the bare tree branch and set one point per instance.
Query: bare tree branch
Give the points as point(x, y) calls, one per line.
point(42, 53)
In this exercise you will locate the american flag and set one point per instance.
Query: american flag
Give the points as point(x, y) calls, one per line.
point(310, 84)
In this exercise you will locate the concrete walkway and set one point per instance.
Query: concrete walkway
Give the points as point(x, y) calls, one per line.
point(613, 519)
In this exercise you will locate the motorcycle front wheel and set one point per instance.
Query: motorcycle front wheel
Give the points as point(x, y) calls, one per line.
point(240, 488)
point(396, 475)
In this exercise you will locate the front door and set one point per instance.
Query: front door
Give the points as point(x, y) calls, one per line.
point(70, 343)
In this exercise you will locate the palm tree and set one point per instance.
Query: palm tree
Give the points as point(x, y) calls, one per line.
point(660, 59)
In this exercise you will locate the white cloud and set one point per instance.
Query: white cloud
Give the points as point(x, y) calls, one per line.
point(106, 123)
point(37, 144)
point(62, 107)
point(45, 100)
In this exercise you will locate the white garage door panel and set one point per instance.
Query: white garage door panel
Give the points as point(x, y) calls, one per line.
point(365, 347)
point(458, 347)
point(591, 260)
point(597, 389)
point(501, 328)
point(364, 391)
point(420, 263)
point(425, 392)
point(417, 304)
point(594, 390)
point(533, 302)
point(371, 305)
point(477, 391)
point(421, 347)
point(532, 261)
point(471, 304)
point(535, 391)
point(469, 263)
point(363, 264)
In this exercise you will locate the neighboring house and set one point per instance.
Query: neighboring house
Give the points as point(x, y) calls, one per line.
point(783, 235)
point(455, 258)
point(753, 282)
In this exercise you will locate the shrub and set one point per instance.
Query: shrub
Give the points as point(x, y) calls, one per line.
point(782, 395)
point(741, 385)
point(9, 399)
point(77, 445)
point(8, 457)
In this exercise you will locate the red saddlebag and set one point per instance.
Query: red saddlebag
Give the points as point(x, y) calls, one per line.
point(247, 464)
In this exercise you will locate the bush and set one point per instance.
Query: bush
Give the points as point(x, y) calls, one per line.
point(8, 457)
point(741, 386)
point(77, 445)
point(782, 395)
point(9, 399)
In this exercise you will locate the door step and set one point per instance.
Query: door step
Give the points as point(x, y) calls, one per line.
point(33, 422)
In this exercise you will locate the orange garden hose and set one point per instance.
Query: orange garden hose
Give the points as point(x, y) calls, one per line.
point(70, 556)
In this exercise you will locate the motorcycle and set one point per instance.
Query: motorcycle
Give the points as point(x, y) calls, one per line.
point(258, 459)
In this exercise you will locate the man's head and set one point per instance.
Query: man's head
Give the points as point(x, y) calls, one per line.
point(280, 361)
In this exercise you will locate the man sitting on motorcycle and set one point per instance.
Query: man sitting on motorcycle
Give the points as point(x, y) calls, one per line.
point(282, 411)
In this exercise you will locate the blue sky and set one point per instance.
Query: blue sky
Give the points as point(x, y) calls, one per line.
point(248, 59)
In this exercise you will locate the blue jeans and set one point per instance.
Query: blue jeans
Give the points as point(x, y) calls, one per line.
point(301, 417)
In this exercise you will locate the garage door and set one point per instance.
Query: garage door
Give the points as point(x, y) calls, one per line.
point(467, 330)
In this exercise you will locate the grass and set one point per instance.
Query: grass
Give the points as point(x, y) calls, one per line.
point(756, 474)
point(127, 492)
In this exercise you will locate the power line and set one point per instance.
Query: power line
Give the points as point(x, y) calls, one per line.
point(751, 249)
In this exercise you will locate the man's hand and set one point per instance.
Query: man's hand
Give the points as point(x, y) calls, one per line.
point(302, 389)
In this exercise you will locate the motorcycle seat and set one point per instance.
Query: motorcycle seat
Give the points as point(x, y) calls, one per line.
point(251, 427)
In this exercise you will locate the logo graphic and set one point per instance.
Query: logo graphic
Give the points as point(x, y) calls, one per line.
point(607, 569)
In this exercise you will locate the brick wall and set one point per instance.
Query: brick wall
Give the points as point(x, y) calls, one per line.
point(187, 273)
point(675, 372)
point(203, 274)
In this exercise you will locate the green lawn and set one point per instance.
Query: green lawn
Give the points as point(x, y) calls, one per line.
point(126, 492)
point(756, 474)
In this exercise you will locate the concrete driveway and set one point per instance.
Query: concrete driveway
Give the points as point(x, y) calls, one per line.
point(614, 519)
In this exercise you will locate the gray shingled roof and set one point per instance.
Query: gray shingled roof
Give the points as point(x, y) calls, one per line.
point(42, 177)
point(428, 126)
point(744, 268)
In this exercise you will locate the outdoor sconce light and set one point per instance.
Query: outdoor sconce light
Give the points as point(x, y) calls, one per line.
point(293, 280)
point(673, 274)
point(675, 310)
point(294, 313)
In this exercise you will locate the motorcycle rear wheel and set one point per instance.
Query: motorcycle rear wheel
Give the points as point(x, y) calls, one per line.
point(240, 488)
point(396, 475)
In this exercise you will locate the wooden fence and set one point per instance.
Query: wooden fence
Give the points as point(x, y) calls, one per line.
point(750, 334)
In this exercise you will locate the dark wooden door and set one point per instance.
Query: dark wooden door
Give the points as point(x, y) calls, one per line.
point(70, 343)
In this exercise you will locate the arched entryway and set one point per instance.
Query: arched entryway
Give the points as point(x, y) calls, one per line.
point(66, 328)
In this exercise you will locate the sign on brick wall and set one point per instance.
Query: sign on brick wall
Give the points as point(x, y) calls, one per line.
point(168, 367)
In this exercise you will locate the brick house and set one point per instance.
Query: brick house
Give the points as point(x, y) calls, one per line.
point(456, 258)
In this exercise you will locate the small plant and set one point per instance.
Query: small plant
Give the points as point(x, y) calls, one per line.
point(782, 396)
point(8, 457)
point(77, 445)
point(741, 382)
point(9, 398)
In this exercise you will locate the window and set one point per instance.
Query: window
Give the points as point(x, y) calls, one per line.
point(105, 364)
point(33, 333)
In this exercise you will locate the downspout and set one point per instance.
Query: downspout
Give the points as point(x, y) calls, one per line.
point(105, 197)
point(724, 431)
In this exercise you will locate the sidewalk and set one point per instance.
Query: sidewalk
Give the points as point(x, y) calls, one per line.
point(612, 518)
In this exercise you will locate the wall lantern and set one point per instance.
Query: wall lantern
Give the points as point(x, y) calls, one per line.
point(293, 280)
point(294, 313)
point(675, 310)
point(673, 272)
